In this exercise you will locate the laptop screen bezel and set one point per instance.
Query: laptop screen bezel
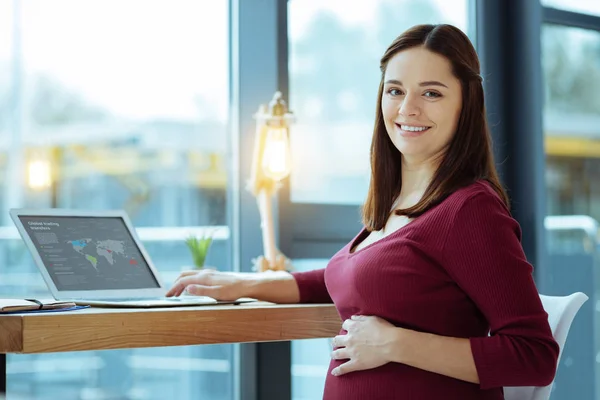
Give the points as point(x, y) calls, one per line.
point(86, 294)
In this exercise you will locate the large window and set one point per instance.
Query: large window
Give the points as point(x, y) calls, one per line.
point(571, 66)
point(116, 105)
point(335, 47)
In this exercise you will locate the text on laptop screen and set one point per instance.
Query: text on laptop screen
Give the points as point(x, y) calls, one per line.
point(89, 253)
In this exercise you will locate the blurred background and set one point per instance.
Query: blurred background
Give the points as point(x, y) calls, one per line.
point(147, 106)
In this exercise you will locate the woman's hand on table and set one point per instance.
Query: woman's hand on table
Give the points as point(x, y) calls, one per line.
point(209, 282)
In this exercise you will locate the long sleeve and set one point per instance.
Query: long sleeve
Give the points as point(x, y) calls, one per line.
point(312, 286)
point(484, 256)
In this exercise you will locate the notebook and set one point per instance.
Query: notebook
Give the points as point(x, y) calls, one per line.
point(95, 258)
point(18, 305)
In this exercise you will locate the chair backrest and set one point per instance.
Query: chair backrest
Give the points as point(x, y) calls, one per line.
point(561, 312)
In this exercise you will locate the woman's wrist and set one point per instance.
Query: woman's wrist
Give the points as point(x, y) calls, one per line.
point(398, 345)
point(274, 286)
point(252, 283)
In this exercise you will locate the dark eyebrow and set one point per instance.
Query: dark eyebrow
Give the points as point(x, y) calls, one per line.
point(426, 83)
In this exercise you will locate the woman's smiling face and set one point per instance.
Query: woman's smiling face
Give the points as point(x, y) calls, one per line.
point(421, 103)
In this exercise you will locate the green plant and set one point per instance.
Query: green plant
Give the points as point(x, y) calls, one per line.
point(199, 247)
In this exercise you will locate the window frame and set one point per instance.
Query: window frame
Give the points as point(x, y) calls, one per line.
point(571, 19)
point(258, 68)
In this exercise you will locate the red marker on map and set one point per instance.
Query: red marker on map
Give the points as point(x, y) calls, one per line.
point(132, 262)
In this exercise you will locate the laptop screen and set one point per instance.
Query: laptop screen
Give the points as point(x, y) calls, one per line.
point(89, 253)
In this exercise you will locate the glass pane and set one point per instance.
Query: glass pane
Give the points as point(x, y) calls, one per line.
point(571, 64)
point(335, 47)
point(310, 358)
point(121, 117)
point(112, 105)
point(6, 87)
point(581, 6)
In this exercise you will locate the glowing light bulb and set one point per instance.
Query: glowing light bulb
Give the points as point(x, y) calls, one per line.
point(39, 174)
point(277, 157)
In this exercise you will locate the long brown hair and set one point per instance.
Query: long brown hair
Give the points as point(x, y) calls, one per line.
point(469, 155)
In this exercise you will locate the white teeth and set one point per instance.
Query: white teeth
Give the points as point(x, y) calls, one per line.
point(413, 128)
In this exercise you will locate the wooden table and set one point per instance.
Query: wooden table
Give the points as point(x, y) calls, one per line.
point(111, 328)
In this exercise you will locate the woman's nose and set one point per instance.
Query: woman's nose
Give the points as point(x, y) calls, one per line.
point(409, 107)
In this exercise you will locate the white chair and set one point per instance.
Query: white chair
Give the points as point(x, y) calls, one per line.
point(561, 312)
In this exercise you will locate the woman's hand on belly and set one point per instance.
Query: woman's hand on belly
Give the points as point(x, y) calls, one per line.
point(371, 342)
point(367, 344)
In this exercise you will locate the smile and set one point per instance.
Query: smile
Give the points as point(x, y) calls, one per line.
point(412, 128)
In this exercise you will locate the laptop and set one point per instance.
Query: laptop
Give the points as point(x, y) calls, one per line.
point(95, 258)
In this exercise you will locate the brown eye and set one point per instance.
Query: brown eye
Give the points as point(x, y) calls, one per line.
point(432, 95)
